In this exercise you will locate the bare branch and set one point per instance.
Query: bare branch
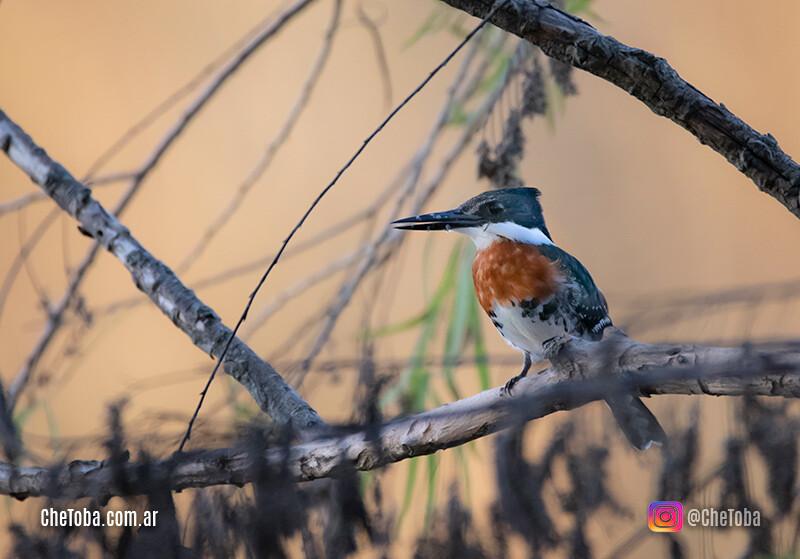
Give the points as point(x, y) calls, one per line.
point(298, 288)
point(24, 251)
point(232, 52)
point(198, 104)
point(21, 202)
point(654, 82)
point(151, 276)
point(274, 146)
point(54, 321)
point(373, 28)
point(574, 379)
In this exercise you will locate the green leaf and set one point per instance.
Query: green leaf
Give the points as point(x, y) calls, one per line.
point(365, 481)
point(461, 459)
point(499, 68)
point(458, 325)
point(52, 427)
point(555, 104)
point(457, 29)
point(458, 117)
point(433, 469)
point(392, 329)
point(581, 7)
point(413, 384)
point(21, 418)
point(479, 346)
point(408, 493)
point(439, 18)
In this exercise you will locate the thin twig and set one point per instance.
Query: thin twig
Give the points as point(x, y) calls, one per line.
point(662, 311)
point(380, 52)
point(176, 96)
point(24, 251)
point(54, 320)
point(204, 98)
point(110, 178)
point(21, 202)
point(37, 196)
point(274, 146)
point(370, 252)
point(315, 240)
point(33, 277)
point(297, 289)
point(39, 232)
point(142, 124)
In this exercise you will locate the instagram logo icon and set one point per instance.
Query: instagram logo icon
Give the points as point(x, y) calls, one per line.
point(665, 516)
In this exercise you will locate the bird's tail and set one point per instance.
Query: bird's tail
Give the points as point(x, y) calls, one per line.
point(637, 422)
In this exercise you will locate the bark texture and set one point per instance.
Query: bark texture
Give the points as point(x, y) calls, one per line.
point(581, 372)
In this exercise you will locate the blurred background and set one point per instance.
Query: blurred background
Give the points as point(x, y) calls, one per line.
point(684, 246)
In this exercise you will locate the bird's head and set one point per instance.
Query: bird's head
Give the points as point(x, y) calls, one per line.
point(510, 213)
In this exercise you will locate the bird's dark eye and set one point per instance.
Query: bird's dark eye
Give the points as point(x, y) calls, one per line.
point(493, 207)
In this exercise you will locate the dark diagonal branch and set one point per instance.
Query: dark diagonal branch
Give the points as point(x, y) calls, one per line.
point(158, 282)
point(654, 82)
point(574, 379)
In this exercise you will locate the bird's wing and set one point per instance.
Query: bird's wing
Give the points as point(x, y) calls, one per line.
point(588, 301)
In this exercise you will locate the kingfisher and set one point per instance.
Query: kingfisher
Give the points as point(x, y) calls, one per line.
point(532, 290)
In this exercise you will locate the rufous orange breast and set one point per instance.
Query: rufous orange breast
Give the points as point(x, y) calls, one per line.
point(507, 272)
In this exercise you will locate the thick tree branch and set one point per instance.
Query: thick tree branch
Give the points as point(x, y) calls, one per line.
point(158, 282)
point(581, 373)
point(651, 80)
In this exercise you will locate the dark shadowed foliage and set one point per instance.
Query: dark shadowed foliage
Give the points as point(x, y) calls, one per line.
point(451, 535)
point(537, 506)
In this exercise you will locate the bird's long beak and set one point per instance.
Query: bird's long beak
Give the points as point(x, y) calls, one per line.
point(439, 221)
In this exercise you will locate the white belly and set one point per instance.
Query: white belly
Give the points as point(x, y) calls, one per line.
point(523, 332)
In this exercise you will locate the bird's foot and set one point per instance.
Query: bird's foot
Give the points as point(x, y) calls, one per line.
point(526, 366)
point(510, 384)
